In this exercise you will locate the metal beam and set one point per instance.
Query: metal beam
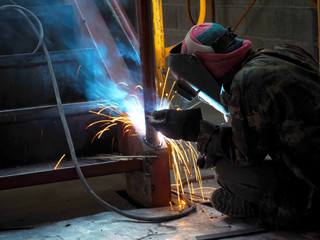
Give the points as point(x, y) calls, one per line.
point(69, 173)
point(147, 65)
point(125, 23)
point(230, 234)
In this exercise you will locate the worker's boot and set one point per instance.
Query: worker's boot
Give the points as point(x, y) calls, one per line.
point(231, 205)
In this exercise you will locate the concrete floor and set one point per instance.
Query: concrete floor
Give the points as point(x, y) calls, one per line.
point(68, 213)
point(109, 225)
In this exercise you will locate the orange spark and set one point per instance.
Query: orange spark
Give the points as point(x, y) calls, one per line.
point(138, 86)
point(171, 207)
point(171, 91)
point(183, 154)
point(164, 86)
point(110, 121)
point(182, 204)
point(133, 96)
point(184, 165)
point(122, 83)
point(205, 211)
point(78, 72)
point(59, 161)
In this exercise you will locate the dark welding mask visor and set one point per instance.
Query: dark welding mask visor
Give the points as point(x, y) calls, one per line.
point(193, 78)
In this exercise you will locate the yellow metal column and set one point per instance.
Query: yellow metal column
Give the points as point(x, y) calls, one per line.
point(159, 46)
point(202, 13)
point(161, 52)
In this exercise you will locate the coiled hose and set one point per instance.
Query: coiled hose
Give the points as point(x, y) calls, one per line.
point(40, 35)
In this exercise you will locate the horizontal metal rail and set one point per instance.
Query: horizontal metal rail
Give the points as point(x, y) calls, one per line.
point(69, 173)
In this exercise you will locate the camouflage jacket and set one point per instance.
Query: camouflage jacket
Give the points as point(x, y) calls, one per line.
point(274, 102)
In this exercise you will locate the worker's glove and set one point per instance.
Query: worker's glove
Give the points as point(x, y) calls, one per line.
point(201, 161)
point(184, 124)
point(206, 161)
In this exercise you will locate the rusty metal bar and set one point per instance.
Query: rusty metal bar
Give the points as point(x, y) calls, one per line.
point(151, 187)
point(46, 112)
point(125, 23)
point(232, 233)
point(244, 14)
point(147, 65)
point(69, 173)
point(96, 28)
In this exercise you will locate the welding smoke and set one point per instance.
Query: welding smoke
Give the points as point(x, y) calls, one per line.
point(81, 64)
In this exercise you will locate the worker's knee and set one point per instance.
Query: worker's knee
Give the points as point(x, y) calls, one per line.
point(249, 183)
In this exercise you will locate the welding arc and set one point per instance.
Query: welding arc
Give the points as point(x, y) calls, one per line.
point(191, 208)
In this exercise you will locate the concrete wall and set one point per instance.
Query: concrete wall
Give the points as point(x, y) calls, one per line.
point(268, 21)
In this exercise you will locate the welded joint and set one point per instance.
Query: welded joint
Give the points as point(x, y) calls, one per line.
point(152, 145)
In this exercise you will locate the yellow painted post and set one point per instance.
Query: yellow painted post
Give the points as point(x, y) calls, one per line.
point(159, 46)
point(202, 13)
point(160, 53)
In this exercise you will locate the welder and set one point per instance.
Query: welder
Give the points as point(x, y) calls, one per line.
point(267, 157)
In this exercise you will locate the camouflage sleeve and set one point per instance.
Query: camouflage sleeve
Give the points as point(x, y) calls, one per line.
point(253, 122)
point(274, 101)
point(214, 143)
point(248, 140)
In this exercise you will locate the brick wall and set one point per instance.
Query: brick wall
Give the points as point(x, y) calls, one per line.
point(268, 21)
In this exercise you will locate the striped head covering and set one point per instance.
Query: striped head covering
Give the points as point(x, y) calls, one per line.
point(216, 47)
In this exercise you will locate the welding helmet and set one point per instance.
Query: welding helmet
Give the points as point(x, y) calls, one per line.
point(191, 62)
point(193, 78)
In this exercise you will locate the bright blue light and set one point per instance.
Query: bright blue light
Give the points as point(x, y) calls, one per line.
point(209, 100)
point(218, 106)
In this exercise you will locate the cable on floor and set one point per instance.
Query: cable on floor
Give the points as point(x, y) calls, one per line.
point(40, 35)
